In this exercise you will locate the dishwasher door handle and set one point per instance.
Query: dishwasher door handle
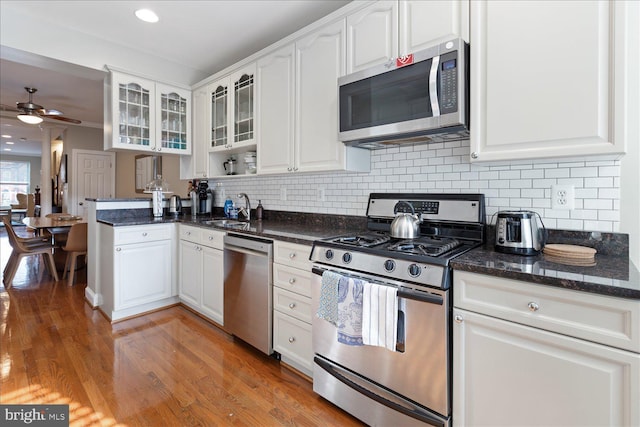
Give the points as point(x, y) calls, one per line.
point(228, 247)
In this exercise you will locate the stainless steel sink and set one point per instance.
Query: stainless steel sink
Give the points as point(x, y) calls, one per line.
point(229, 223)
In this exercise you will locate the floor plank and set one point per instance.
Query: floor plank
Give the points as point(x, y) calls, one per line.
point(168, 368)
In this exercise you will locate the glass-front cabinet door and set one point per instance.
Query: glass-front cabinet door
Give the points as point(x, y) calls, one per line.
point(175, 119)
point(133, 103)
point(243, 90)
point(220, 115)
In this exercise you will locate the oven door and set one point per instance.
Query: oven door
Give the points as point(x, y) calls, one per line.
point(361, 378)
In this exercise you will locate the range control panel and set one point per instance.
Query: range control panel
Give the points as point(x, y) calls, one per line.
point(419, 207)
point(435, 207)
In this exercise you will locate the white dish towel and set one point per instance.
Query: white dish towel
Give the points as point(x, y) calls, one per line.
point(380, 316)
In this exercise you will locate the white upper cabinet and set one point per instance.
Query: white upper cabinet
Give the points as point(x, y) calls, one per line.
point(144, 115)
point(388, 29)
point(276, 100)
point(547, 78)
point(298, 106)
point(197, 165)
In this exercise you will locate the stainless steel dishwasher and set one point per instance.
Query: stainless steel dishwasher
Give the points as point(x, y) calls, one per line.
point(248, 280)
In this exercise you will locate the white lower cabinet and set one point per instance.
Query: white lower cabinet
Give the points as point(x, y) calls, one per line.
point(292, 305)
point(137, 269)
point(515, 363)
point(201, 261)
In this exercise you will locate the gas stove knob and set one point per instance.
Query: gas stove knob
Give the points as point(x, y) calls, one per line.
point(346, 258)
point(328, 254)
point(389, 265)
point(414, 270)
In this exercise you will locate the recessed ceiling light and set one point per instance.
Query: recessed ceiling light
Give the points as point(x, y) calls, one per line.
point(147, 15)
point(9, 142)
point(7, 149)
point(6, 136)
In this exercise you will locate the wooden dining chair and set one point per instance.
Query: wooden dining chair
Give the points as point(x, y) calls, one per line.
point(26, 246)
point(75, 246)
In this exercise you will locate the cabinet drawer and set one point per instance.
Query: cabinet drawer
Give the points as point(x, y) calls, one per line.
point(599, 318)
point(292, 338)
point(292, 304)
point(212, 238)
point(292, 254)
point(292, 279)
point(192, 234)
point(141, 233)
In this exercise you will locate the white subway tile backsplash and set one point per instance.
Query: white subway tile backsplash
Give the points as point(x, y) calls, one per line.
point(443, 167)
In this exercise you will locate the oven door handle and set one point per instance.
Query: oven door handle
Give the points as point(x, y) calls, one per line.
point(413, 411)
point(402, 293)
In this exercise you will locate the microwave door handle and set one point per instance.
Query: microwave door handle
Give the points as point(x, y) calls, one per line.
point(433, 86)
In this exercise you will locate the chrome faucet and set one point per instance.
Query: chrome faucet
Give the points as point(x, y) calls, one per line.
point(246, 210)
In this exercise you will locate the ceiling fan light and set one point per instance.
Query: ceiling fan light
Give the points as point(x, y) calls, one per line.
point(30, 118)
point(147, 15)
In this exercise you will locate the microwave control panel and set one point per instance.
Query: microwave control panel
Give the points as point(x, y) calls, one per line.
point(448, 89)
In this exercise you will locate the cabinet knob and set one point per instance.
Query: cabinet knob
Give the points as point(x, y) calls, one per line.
point(295, 169)
point(292, 280)
point(533, 306)
point(204, 175)
point(153, 148)
point(292, 305)
point(188, 233)
point(289, 169)
point(292, 255)
point(474, 155)
point(292, 339)
point(118, 249)
point(210, 237)
point(144, 234)
point(458, 318)
point(159, 148)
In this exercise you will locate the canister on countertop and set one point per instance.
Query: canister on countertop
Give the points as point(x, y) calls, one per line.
point(259, 210)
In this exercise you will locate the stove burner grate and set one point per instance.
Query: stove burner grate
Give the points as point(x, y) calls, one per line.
point(363, 240)
point(432, 246)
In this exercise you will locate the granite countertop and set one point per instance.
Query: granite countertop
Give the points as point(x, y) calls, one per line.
point(611, 275)
point(304, 229)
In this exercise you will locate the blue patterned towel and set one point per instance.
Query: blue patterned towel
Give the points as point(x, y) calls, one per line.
point(328, 303)
point(350, 311)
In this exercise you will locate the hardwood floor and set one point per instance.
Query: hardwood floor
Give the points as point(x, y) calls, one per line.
point(168, 368)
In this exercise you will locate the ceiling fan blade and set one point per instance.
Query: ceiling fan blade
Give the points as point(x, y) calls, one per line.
point(61, 118)
point(4, 107)
point(46, 112)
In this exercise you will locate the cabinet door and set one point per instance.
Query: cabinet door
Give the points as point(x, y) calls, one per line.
point(213, 284)
point(276, 97)
point(197, 165)
point(242, 106)
point(133, 112)
point(506, 374)
point(320, 60)
point(173, 106)
point(190, 290)
point(547, 94)
point(372, 36)
point(219, 96)
point(142, 273)
point(424, 23)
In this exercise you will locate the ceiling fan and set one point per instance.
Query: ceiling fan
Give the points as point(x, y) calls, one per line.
point(33, 113)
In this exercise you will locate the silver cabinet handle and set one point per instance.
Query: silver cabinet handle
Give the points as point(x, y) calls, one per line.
point(292, 339)
point(533, 306)
point(292, 255)
point(144, 234)
point(188, 233)
point(292, 280)
point(210, 237)
point(292, 305)
point(118, 249)
point(458, 318)
point(474, 155)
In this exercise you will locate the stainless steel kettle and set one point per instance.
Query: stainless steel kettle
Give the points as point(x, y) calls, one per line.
point(175, 205)
point(405, 225)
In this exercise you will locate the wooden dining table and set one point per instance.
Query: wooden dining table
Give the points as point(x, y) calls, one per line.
point(58, 227)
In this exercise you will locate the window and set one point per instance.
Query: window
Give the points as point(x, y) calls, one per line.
point(14, 178)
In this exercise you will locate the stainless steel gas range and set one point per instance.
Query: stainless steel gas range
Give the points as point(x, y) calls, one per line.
point(409, 381)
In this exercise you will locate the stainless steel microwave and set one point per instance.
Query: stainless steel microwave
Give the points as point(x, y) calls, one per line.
point(419, 98)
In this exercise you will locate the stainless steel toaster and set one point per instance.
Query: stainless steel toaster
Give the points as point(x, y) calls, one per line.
point(517, 232)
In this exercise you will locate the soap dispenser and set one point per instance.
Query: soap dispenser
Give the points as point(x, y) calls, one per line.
point(259, 210)
point(228, 207)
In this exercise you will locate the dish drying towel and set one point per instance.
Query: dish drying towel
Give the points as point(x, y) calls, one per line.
point(350, 311)
point(328, 303)
point(380, 316)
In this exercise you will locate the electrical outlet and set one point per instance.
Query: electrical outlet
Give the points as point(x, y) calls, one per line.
point(321, 195)
point(562, 197)
point(283, 194)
